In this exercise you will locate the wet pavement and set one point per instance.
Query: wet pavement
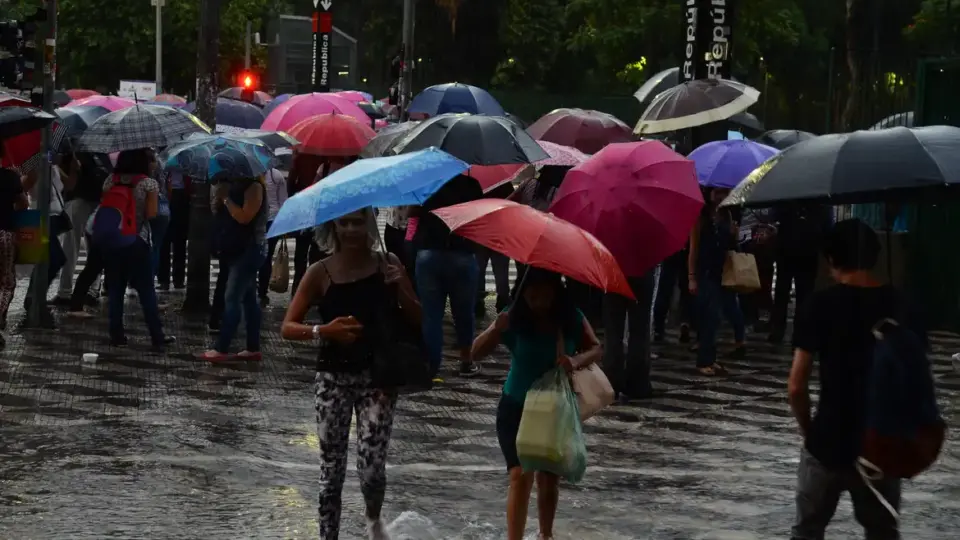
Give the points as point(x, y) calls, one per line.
point(140, 445)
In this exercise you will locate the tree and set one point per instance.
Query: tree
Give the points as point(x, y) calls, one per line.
point(532, 35)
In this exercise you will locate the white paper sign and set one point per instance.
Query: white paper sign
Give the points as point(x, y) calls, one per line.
point(141, 90)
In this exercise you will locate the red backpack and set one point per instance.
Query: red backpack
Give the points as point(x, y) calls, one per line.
point(115, 224)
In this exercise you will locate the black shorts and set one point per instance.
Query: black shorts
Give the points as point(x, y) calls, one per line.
point(509, 412)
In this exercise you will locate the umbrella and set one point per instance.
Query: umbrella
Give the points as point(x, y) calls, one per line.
point(259, 99)
point(61, 98)
point(560, 155)
point(747, 120)
point(21, 136)
point(372, 110)
point(142, 126)
point(217, 157)
point(274, 140)
point(303, 106)
point(386, 138)
point(169, 99)
point(332, 135)
point(537, 239)
point(476, 139)
point(781, 139)
point(8, 100)
point(113, 103)
point(19, 120)
point(695, 103)
point(491, 177)
point(859, 167)
point(516, 120)
point(409, 179)
point(661, 82)
point(276, 102)
point(455, 98)
point(232, 114)
point(587, 131)
point(629, 191)
point(81, 93)
point(724, 164)
point(353, 96)
point(904, 119)
point(78, 118)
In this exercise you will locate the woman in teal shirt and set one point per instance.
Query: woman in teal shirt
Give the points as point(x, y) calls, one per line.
point(530, 328)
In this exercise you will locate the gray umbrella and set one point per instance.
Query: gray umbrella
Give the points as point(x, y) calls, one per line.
point(661, 82)
point(386, 138)
point(747, 120)
point(781, 139)
point(695, 103)
point(904, 119)
point(860, 167)
point(140, 126)
point(475, 139)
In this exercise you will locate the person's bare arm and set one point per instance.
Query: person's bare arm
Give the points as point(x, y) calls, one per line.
point(590, 349)
point(313, 283)
point(488, 340)
point(29, 180)
point(152, 204)
point(798, 389)
point(70, 180)
point(252, 200)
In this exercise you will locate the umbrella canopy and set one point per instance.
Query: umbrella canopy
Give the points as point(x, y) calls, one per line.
point(372, 110)
point(217, 157)
point(747, 120)
point(695, 103)
point(537, 239)
point(113, 103)
point(259, 98)
point(724, 164)
point(455, 98)
point(142, 126)
point(860, 167)
point(630, 191)
point(661, 82)
point(170, 99)
point(303, 106)
point(78, 118)
point(409, 179)
point(332, 135)
point(81, 93)
point(585, 130)
point(476, 139)
point(61, 98)
point(276, 102)
point(232, 114)
point(561, 156)
point(7, 100)
point(22, 139)
point(491, 177)
point(19, 120)
point(904, 119)
point(386, 138)
point(353, 96)
point(274, 140)
point(516, 120)
point(781, 139)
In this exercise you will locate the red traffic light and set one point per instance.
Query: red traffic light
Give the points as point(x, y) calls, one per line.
point(248, 81)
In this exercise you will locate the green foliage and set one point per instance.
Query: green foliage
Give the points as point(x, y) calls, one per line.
point(531, 35)
point(634, 73)
point(935, 27)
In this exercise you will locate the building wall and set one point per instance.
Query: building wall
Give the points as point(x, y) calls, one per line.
point(290, 40)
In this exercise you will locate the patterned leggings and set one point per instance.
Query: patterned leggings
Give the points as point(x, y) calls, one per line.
point(8, 271)
point(338, 397)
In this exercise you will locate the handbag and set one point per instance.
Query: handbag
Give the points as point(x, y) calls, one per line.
point(740, 272)
point(592, 387)
point(280, 272)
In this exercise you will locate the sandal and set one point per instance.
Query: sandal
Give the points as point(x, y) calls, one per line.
point(715, 370)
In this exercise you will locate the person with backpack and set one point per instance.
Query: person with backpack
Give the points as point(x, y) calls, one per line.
point(121, 228)
point(870, 350)
point(240, 243)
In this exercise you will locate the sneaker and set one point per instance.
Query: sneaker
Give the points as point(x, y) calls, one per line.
point(250, 356)
point(469, 370)
point(376, 530)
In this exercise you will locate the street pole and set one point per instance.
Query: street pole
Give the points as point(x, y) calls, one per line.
point(246, 52)
point(48, 63)
point(159, 75)
point(406, 74)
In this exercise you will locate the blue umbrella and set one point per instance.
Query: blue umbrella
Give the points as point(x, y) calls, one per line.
point(408, 179)
point(455, 98)
point(217, 157)
point(232, 113)
point(276, 102)
point(724, 164)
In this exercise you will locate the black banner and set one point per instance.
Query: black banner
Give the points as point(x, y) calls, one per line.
point(713, 30)
point(688, 70)
point(322, 45)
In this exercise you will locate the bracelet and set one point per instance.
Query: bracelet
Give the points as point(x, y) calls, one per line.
point(316, 331)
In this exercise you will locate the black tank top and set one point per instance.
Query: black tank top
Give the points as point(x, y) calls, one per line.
point(363, 299)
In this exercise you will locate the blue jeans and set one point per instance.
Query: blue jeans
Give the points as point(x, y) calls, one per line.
point(712, 299)
point(158, 229)
point(240, 296)
point(131, 266)
point(442, 273)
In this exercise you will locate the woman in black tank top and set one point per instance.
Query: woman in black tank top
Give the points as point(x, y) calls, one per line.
point(350, 287)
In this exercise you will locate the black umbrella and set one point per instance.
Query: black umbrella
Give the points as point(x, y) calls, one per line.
point(695, 103)
point(475, 139)
point(61, 98)
point(748, 121)
point(517, 120)
point(860, 167)
point(781, 139)
point(372, 110)
point(386, 138)
point(19, 120)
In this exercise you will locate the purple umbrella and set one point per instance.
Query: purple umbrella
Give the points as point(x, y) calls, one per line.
point(724, 164)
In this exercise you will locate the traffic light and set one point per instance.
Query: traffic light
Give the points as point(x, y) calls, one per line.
point(249, 82)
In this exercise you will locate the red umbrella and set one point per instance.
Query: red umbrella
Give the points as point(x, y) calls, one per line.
point(169, 98)
point(587, 131)
point(491, 177)
point(332, 135)
point(7, 100)
point(640, 199)
point(537, 239)
point(18, 150)
point(81, 93)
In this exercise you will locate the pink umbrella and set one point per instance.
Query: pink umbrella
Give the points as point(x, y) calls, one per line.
point(81, 93)
point(304, 106)
point(352, 96)
point(169, 98)
point(113, 103)
point(562, 156)
point(380, 124)
point(640, 199)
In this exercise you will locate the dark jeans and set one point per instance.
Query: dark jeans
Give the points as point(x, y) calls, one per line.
point(87, 277)
point(673, 275)
point(442, 273)
point(131, 266)
point(629, 370)
point(158, 232)
point(712, 299)
point(306, 253)
point(57, 260)
point(263, 280)
point(173, 255)
point(219, 291)
point(501, 274)
point(240, 299)
point(790, 270)
point(819, 490)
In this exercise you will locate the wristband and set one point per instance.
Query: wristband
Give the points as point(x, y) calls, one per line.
point(316, 331)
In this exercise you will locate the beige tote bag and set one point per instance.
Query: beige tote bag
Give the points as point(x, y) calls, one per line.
point(592, 387)
point(280, 272)
point(740, 272)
